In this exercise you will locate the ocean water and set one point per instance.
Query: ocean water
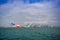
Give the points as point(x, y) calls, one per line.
point(30, 33)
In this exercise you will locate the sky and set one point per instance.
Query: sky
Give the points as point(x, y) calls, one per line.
point(22, 12)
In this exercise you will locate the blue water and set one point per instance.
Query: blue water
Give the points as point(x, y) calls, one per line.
point(30, 33)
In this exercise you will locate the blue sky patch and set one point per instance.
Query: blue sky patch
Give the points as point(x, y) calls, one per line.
point(3, 2)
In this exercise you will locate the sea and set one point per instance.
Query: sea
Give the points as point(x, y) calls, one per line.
point(42, 33)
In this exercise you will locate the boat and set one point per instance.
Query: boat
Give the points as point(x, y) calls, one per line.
point(16, 26)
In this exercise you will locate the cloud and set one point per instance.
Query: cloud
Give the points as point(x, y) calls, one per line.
point(20, 13)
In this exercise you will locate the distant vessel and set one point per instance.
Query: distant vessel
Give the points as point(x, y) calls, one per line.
point(16, 26)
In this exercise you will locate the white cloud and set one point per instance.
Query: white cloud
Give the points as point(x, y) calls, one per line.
point(20, 13)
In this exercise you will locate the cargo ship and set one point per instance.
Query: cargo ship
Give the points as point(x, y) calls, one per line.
point(16, 26)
